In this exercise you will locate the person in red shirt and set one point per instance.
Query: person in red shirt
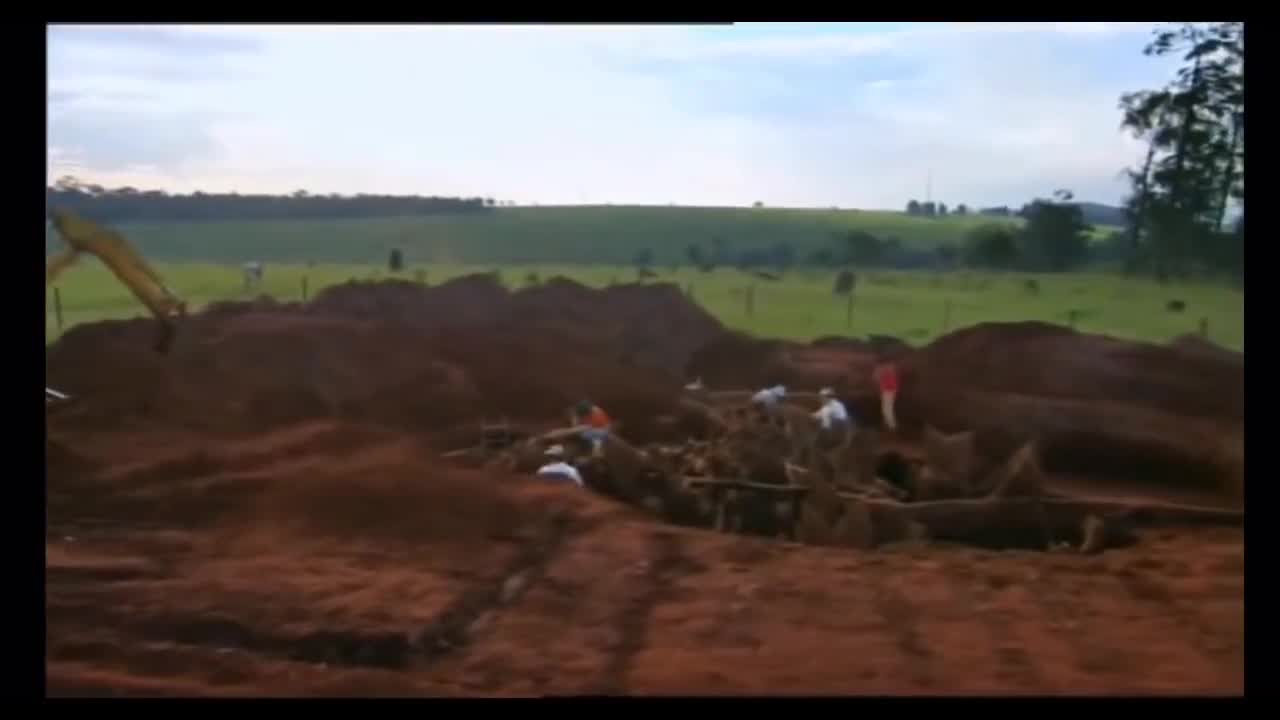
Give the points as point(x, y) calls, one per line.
point(597, 422)
point(886, 377)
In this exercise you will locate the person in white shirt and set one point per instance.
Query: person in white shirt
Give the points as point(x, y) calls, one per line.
point(559, 469)
point(767, 401)
point(769, 397)
point(832, 415)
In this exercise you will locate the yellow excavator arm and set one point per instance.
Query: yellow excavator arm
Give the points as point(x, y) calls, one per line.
point(85, 236)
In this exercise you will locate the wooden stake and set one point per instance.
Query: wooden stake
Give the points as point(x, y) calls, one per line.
point(57, 308)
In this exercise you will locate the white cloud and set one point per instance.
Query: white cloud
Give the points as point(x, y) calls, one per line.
point(617, 114)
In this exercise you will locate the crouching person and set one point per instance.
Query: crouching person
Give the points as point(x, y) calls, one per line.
point(768, 400)
point(834, 420)
point(557, 469)
point(598, 425)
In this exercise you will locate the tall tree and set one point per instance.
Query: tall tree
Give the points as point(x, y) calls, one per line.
point(1194, 129)
point(1054, 237)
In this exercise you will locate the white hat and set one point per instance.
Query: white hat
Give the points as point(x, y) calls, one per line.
point(555, 451)
point(826, 392)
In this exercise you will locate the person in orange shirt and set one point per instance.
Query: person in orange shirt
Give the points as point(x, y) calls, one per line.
point(597, 422)
point(886, 377)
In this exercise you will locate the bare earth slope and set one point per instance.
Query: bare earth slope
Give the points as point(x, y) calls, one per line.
point(265, 512)
point(291, 565)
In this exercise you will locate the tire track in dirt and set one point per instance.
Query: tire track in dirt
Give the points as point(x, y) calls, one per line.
point(383, 650)
point(667, 563)
point(463, 619)
point(395, 650)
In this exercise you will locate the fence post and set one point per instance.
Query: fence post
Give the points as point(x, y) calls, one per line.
point(946, 316)
point(1204, 326)
point(848, 312)
point(57, 308)
point(304, 288)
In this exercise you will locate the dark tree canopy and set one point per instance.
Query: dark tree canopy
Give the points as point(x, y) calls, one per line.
point(1193, 170)
point(129, 205)
point(993, 246)
point(1054, 238)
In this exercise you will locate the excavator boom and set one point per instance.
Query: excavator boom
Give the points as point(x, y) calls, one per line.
point(85, 236)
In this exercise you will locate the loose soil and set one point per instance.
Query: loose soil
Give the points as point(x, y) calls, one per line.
point(264, 511)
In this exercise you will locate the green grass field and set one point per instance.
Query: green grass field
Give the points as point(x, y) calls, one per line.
point(592, 235)
point(916, 306)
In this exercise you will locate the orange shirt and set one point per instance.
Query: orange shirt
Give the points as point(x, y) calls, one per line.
point(597, 418)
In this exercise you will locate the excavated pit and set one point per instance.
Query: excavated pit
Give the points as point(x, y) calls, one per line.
point(438, 361)
point(894, 469)
point(265, 510)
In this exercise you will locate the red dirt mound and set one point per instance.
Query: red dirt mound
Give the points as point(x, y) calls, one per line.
point(844, 364)
point(1099, 406)
point(425, 359)
point(394, 500)
point(1197, 344)
point(652, 326)
point(1042, 359)
point(468, 301)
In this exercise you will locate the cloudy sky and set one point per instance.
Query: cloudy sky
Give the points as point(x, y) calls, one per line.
point(814, 114)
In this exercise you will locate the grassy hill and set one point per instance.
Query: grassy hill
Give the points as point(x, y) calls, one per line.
point(578, 234)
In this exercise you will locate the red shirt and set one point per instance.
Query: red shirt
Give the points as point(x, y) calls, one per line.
point(887, 375)
point(598, 419)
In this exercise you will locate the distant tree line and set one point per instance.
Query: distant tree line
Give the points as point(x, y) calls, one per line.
point(128, 204)
point(1054, 238)
point(1094, 213)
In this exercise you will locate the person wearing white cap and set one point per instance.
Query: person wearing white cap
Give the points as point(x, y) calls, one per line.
point(768, 398)
point(832, 415)
point(558, 468)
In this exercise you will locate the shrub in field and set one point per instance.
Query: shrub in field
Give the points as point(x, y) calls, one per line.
point(948, 255)
point(993, 246)
point(1175, 306)
point(845, 282)
point(1031, 285)
point(1054, 237)
point(395, 263)
point(532, 279)
point(822, 257)
point(862, 247)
